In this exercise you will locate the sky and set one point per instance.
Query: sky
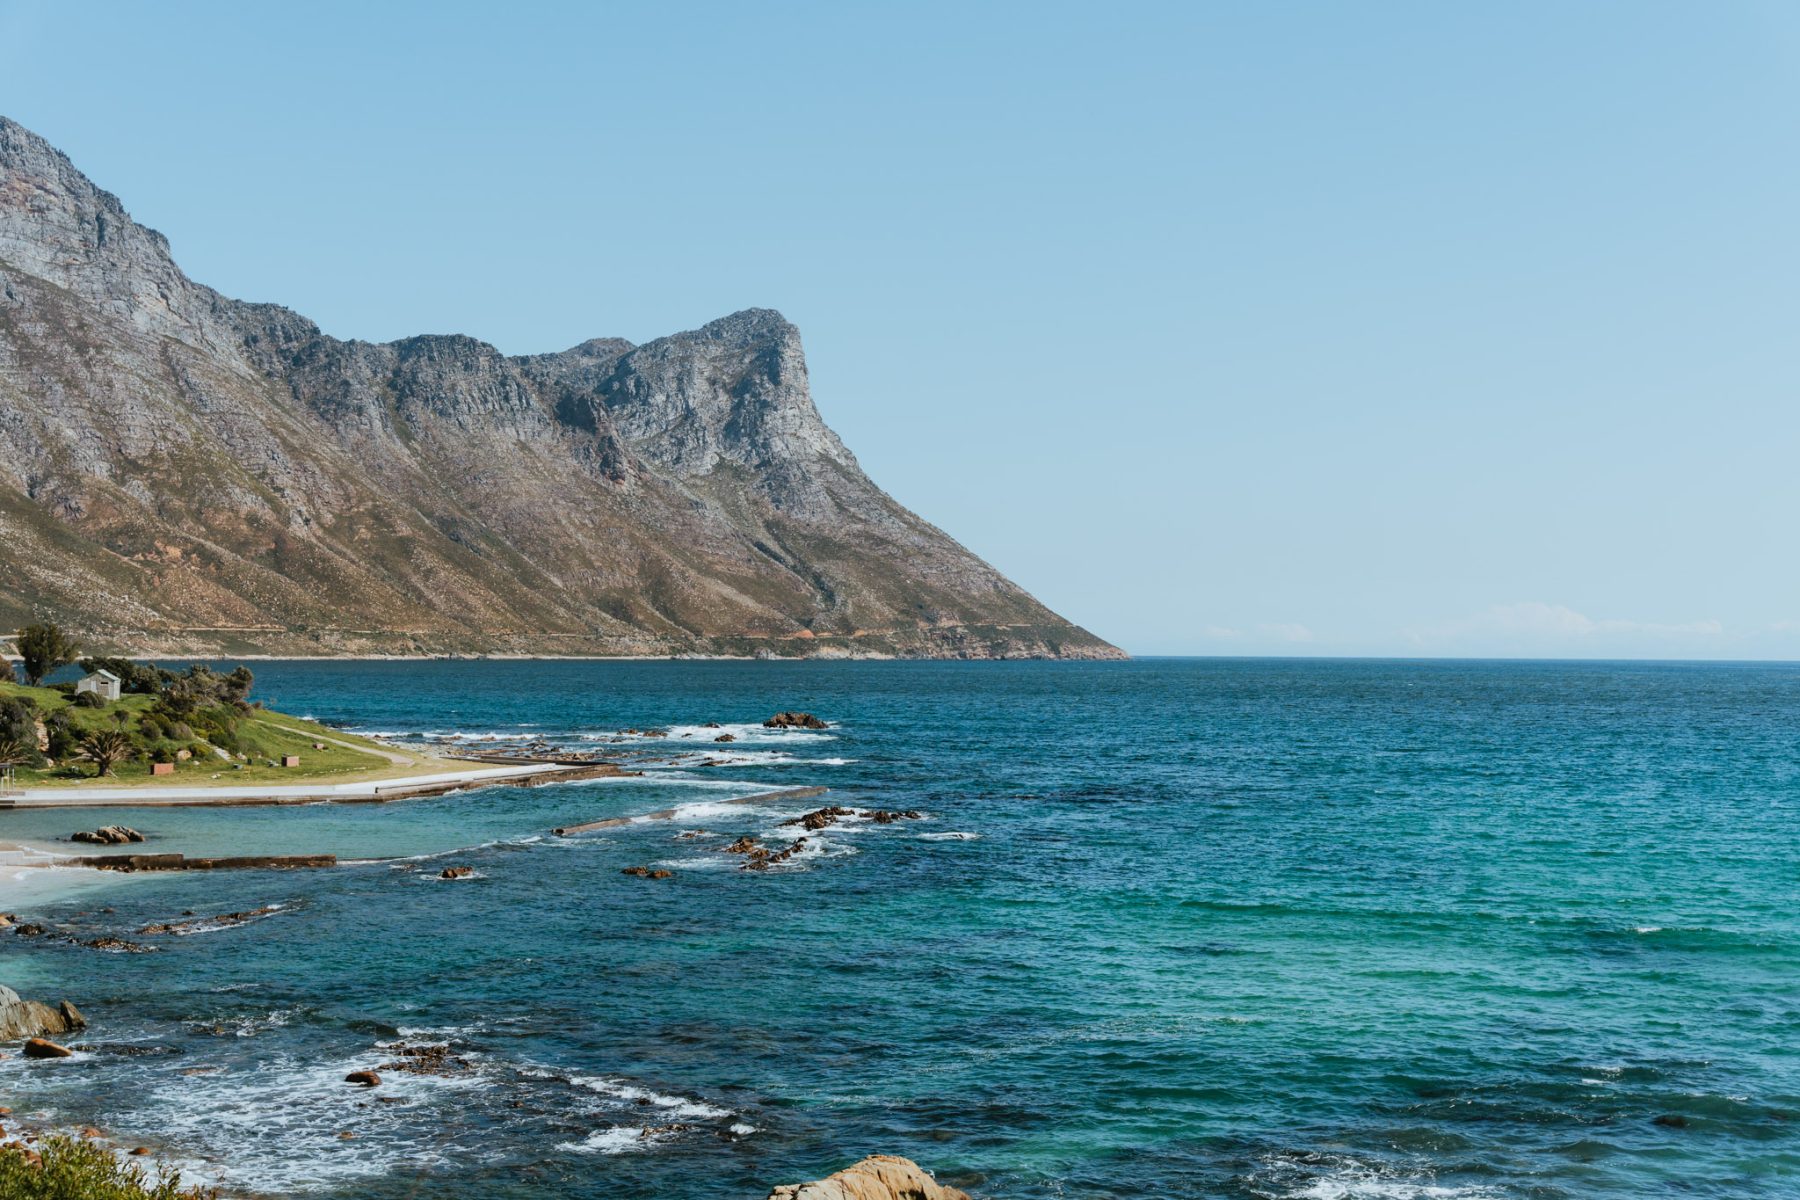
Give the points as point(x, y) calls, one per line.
point(1389, 328)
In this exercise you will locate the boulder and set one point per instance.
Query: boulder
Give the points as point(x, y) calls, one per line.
point(877, 1177)
point(794, 720)
point(20, 1018)
point(42, 1048)
point(363, 1078)
point(726, 737)
point(456, 872)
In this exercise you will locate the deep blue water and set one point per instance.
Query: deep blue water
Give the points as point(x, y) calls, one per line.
point(1215, 929)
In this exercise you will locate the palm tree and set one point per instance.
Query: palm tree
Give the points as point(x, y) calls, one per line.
point(105, 748)
point(14, 752)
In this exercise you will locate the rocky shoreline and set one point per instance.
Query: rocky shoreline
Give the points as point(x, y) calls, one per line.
point(40, 1029)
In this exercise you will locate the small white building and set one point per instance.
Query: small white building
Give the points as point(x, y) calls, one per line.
point(102, 683)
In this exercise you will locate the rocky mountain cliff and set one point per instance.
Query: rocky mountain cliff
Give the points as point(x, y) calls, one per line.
point(182, 473)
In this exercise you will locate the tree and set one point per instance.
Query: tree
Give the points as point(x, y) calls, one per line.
point(42, 649)
point(106, 748)
point(15, 752)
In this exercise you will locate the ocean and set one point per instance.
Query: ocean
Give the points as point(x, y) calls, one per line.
point(1335, 930)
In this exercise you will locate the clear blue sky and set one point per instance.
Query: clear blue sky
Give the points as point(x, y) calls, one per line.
point(1391, 328)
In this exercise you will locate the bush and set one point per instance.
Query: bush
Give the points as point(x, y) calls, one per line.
point(88, 700)
point(62, 735)
point(66, 1169)
point(18, 723)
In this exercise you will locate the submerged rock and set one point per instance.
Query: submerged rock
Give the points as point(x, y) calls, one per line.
point(761, 860)
point(794, 720)
point(877, 1177)
point(726, 737)
point(223, 919)
point(819, 818)
point(21, 1018)
point(424, 1060)
point(456, 872)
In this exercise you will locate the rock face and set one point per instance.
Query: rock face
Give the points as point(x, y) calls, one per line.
point(877, 1177)
point(20, 1018)
point(182, 473)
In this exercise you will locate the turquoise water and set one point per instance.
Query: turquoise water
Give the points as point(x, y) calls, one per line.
point(1210, 928)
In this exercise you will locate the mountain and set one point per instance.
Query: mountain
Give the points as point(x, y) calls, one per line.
point(184, 474)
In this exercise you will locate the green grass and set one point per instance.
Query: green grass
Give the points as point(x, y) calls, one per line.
point(75, 1170)
point(262, 736)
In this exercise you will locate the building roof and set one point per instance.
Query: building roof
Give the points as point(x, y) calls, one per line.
point(103, 673)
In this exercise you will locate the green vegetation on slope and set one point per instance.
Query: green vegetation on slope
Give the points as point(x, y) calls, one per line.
point(201, 723)
point(61, 1168)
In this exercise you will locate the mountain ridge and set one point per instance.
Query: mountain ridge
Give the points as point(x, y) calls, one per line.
point(185, 473)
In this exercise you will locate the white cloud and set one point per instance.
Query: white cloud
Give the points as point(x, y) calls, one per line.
point(1537, 622)
point(1286, 632)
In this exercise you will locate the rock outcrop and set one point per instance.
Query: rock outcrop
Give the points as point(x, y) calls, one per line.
point(182, 473)
point(21, 1018)
point(794, 720)
point(877, 1177)
point(107, 835)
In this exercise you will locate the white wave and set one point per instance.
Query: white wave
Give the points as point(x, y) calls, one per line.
point(276, 1127)
point(680, 1106)
point(714, 862)
point(617, 1139)
point(742, 1130)
point(1388, 1189)
point(949, 836)
point(745, 733)
point(397, 862)
point(1340, 1177)
point(214, 925)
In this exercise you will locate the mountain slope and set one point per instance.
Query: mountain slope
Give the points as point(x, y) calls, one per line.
point(185, 473)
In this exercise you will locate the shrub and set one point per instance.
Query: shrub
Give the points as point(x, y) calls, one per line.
point(62, 735)
point(18, 724)
point(66, 1169)
point(88, 700)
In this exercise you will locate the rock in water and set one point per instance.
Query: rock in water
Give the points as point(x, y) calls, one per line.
point(363, 1078)
point(697, 491)
point(794, 720)
point(877, 1177)
point(20, 1018)
point(456, 872)
point(42, 1048)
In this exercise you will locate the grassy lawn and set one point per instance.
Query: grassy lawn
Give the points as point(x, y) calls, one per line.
point(262, 738)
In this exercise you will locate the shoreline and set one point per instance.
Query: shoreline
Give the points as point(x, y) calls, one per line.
point(367, 791)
